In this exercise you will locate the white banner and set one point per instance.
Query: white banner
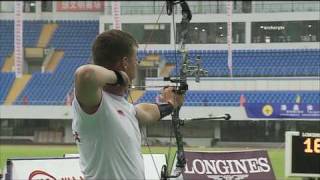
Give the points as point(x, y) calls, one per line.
point(18, 38)
point(116, 14)
point(44, 168)
point(68, 167)
point(229, 35)
point(153, 164)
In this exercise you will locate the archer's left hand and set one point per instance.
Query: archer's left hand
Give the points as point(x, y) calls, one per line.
point(170, 95)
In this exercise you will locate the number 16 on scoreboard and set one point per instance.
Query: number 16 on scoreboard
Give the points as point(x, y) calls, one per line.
point(302, 154)
point(312, 145)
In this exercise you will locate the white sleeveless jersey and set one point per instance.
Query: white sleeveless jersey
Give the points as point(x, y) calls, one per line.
point(109, 140)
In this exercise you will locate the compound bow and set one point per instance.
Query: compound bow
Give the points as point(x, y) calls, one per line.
point(186, 70)
point(181, 84)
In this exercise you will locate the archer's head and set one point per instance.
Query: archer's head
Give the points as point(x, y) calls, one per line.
point(116, 50)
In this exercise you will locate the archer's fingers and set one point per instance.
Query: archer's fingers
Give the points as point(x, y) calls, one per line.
point(169, 89)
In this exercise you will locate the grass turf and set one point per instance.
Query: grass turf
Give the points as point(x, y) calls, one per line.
point(20, 151)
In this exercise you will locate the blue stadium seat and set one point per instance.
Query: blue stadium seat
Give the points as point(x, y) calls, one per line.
point(6, 80)
point(269, 62)
point(232, 98)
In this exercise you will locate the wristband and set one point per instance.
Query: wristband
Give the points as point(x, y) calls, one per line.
point(165, 109)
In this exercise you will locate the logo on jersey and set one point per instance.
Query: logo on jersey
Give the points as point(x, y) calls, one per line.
point(120, 112)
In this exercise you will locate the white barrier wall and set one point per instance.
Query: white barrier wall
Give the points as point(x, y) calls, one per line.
point(246, 84)
point(68, 167)
point(65, 112)
point(35, 112)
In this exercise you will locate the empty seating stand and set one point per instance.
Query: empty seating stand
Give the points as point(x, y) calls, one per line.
point(75, 39)
point(232, 98)
point(6, 40)
point(6, 81)
point(31, 32)
point(253, 63)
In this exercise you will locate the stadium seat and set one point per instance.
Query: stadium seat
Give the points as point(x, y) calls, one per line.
point(231, 98)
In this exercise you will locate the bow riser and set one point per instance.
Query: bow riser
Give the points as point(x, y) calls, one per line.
point(182, 88)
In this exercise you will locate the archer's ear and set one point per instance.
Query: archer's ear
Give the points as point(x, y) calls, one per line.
point(125, 63)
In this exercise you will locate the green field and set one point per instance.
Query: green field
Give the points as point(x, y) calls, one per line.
point(16, 151)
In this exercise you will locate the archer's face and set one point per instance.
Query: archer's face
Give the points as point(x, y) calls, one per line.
point(132, 64)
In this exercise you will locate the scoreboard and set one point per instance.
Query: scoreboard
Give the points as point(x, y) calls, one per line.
point(302, 154)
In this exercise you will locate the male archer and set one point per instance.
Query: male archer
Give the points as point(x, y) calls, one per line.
point(105, 124)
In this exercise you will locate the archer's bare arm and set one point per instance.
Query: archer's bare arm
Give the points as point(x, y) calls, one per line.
point(147, 113)
point(89, 81)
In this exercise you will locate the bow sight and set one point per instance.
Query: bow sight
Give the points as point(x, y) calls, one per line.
point(188, 70)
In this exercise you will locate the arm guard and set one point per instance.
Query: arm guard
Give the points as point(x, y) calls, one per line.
point(165, 109)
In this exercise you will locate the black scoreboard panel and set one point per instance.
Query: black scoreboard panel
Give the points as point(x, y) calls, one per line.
point(305, 154)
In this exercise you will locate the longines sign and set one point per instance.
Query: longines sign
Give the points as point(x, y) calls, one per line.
point(253, 165)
